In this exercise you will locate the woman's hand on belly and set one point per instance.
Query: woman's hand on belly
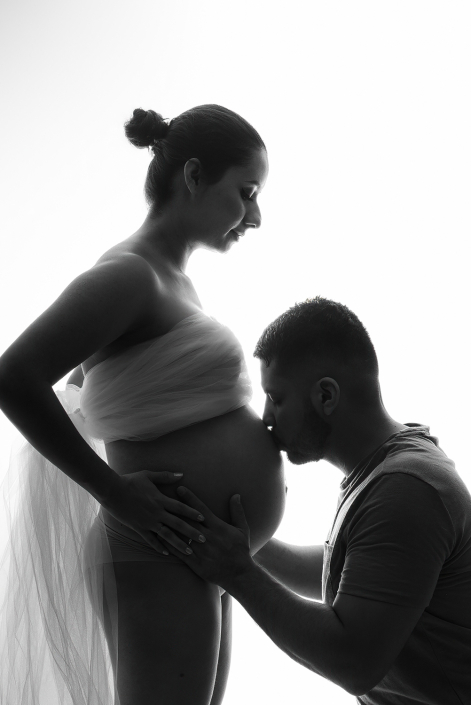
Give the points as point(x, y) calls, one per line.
point(226, 551)
point(136, 502)
point(226, 455)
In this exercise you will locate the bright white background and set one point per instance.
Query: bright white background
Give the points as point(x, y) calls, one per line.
point(365, 109)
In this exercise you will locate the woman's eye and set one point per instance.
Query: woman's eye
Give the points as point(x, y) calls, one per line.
point(247, 196)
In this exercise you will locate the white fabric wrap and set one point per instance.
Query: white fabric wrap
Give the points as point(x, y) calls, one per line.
point(193, 373)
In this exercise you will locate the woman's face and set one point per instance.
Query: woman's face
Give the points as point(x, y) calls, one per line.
point(229, 208)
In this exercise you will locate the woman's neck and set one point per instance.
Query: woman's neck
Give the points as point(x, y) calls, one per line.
point(162, 239)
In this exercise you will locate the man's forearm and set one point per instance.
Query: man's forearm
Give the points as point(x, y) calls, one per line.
point(309, 632)
point(299, 568)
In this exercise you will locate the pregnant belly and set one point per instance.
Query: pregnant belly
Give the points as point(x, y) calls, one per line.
point(230, 454)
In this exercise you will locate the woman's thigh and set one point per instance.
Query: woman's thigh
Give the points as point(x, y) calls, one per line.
point(169, 632)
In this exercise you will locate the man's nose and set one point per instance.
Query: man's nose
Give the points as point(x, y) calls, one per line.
point(268, 417)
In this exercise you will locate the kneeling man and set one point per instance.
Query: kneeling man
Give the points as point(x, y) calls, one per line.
point(392, 624)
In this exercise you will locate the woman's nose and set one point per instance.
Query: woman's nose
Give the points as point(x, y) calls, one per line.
point(253, 217)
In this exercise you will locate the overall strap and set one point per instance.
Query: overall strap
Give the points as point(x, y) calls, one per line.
point(327, 593)
point(348, 501)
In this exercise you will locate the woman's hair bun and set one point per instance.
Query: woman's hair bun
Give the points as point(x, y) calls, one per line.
point(145, 127)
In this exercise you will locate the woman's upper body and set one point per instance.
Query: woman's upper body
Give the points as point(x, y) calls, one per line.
point(202, 193)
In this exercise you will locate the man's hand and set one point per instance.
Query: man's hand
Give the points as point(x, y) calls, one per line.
point(353, 643)
point(225, 554)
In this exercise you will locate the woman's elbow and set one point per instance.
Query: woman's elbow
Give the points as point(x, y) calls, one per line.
point(16, 382)
point(7, 380)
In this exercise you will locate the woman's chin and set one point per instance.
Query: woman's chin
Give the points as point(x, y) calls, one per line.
point(222, 245)
point(231, 238)
point(225, 244)
point(228, 245)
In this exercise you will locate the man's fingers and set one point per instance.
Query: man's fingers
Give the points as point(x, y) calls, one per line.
point(194, 502)
point(173, 506)
point(237, 513)
point(182, 527)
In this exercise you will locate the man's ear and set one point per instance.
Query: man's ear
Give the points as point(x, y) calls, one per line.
point(325, 395)
point(192, 172)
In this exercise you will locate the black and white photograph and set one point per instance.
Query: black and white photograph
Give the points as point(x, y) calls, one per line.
point(234, 352)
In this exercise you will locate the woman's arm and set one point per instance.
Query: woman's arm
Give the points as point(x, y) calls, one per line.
point(299, 568)
point(32, 406)
point(95, 309)
point(81, 321)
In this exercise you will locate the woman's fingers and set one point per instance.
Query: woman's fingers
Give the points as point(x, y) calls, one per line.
point(163, 476)
point(149, 536)
point(168, 536)
point(173, 540)
point(176, 507)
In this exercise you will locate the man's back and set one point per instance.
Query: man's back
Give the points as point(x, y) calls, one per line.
point(406, 539)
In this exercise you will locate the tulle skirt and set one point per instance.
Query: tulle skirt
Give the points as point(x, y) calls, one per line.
point(57, 586)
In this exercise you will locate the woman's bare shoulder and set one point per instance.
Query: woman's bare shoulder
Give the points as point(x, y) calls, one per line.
point(129, 271)
point(124, 260)
point(117, 294)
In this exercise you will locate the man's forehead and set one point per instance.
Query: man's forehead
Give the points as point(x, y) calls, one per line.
point(296, 376)
point(271, 374)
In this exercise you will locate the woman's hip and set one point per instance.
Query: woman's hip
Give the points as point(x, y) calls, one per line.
point(109, 541)
point(114, 542)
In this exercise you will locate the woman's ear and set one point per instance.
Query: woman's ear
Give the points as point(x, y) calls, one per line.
point(192, 173)
point(325, 395)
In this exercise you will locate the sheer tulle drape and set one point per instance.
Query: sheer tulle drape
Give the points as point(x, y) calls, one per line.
point(54, 587)
point(58, 581)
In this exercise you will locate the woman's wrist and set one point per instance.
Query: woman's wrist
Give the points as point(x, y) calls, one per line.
point(104, 484)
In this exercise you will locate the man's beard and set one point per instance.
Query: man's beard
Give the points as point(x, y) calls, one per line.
point(310, 443)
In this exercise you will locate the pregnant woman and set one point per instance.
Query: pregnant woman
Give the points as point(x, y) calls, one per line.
point(158, 384)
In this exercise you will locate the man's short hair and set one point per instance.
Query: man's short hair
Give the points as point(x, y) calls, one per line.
point(317, 329)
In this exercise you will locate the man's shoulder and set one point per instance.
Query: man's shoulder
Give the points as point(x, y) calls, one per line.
point(424, 460)
point(418, 450)
point(401, 509)
point(407, 491)
point(399, 489)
